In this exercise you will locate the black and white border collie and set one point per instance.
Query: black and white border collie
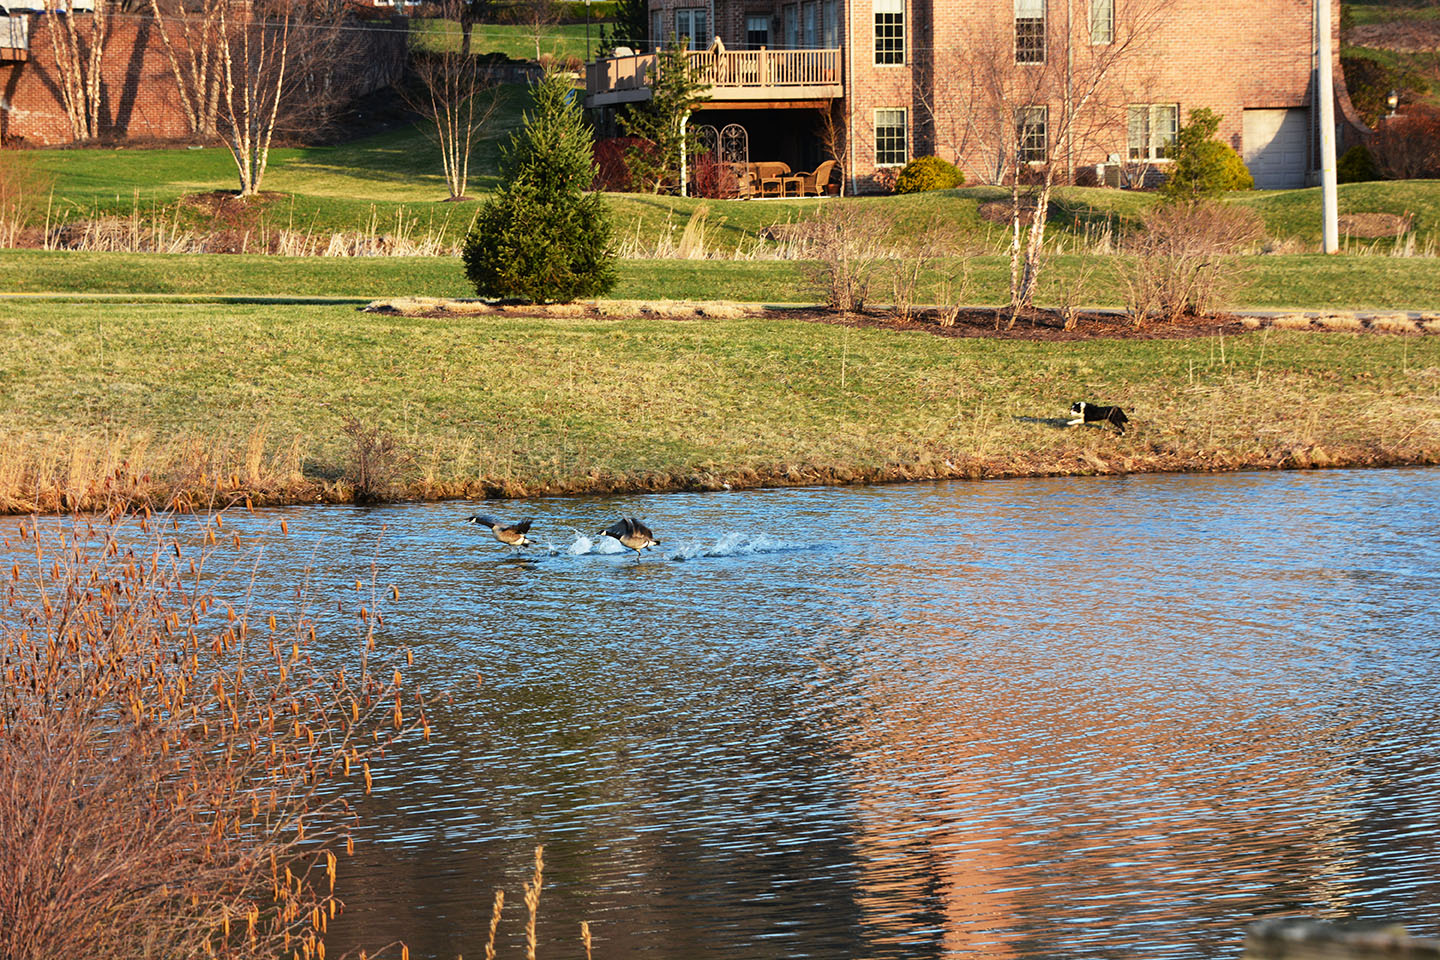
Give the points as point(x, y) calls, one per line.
point(1083, 412)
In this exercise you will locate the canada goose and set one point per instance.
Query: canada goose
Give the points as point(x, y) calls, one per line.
point(512, 535)
point(631, 533)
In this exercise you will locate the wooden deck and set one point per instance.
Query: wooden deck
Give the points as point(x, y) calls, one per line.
point(739, 76)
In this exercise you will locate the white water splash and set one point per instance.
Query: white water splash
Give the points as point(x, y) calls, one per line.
point(584, 544)
point(733, 545)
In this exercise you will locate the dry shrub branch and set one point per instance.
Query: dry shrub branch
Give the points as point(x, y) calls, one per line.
point(847, 244)
point(173, 769)
point(1182, 262)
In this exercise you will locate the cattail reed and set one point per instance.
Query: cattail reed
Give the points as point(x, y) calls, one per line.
point(494, 924)
point(140, 711)
point(532, 902)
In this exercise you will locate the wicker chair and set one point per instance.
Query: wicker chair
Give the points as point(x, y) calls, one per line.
point(816, 181)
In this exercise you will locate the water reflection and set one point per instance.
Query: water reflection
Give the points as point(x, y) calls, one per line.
point(1092, 717)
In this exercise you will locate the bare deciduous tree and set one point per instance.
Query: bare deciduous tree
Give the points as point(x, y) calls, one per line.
point(538, 17)
point(194, 60)
point(275, 54)
point(1040, 94)
point(456, 95)
point(77, 40)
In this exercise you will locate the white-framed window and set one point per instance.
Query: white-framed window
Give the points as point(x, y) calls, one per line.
point(810, 24)
point(690, 22)
point(889, 31)
point(1102, 22)
point(890, 142)
point(791, 13)
point(1031, 140)
point(1029, 31)
point(830, 23)
point(1151, 129)
point(757, 31)
point(657, 29)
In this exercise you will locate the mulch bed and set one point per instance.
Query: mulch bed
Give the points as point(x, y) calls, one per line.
point(1033, 325)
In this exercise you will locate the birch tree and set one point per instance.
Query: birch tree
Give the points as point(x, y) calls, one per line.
point(194, 61)
point(274, 55)
point(455, 94)
point(1044, 88)
point(77, 39)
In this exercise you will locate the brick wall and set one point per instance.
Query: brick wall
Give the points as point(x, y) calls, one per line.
point(1228, 55)
point(139, 99)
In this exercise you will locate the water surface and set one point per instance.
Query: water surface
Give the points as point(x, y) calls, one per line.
point(1094, 717)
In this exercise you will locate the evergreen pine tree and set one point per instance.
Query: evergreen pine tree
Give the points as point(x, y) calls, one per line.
point(544, 235)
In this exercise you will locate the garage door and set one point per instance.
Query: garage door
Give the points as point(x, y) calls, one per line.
point(1274, 142)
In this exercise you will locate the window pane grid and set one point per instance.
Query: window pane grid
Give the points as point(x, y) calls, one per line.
point(1102, 21)
point(889, 37)
point(889, 137)
point(1029, 39)
point(1151, 129)
point(1030, 133)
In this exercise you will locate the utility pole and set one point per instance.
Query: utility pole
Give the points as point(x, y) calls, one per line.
point(1325, 88)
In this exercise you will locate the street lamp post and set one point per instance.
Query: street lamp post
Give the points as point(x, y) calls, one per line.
point(587, 31)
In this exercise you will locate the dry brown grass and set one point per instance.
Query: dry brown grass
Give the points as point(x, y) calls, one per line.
point(173, 769)
point(675, 309)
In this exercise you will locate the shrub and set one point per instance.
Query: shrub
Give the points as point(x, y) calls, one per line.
point(1203, 165)
point(1181, 263)
point(1407, 146)
point(376, 460)
point(612, 164)
point(928, 173)
point(544, 236)
point(715, 179)
point(845, 247)
point(172, 767)
point(1357, 165)
point(1369, 82)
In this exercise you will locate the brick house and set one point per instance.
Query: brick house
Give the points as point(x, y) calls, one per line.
point(139, 97)
point(899, 79)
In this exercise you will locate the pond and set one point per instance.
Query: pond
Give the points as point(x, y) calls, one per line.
point(1089, 717)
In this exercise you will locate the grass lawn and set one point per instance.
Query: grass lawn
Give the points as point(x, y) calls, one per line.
point(368, 186)
point(511, 40)
point(229, 400)
point(1307, 281)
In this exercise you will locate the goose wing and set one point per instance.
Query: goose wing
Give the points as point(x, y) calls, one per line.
point(523, 526)
point(618, 529)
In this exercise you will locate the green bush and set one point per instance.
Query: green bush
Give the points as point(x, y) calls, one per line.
point(928, 173)
point(1203, 165)
point(1357, 165)
point(544, 236)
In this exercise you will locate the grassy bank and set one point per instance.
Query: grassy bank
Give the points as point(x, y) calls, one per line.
point(371, 185)
point(226, 401)
point(1280, 281)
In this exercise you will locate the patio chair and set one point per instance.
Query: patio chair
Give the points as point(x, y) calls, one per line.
point(815, 182)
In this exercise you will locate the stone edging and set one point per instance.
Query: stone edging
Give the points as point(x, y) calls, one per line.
point(678, 309)
point(1348, 322)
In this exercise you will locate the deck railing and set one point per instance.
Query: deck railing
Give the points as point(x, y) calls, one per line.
point(726, 72)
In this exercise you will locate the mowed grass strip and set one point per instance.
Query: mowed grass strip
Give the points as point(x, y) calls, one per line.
point(1303, 281)
point(206, 401)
